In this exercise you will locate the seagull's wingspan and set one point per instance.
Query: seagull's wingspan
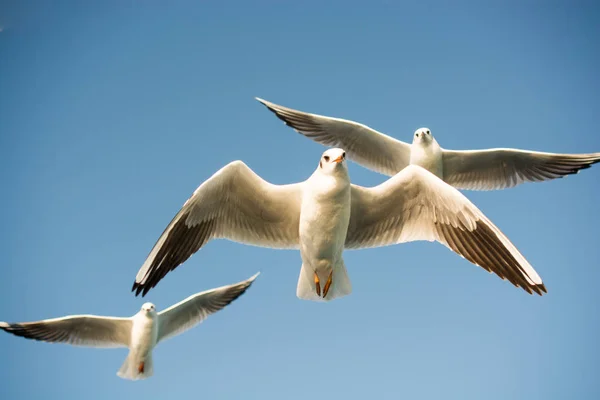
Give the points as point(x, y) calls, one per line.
point(77, 330)
point(417, 205)
point(505, 168)
point(193, 310)
point(366, 146)
point(234, 204)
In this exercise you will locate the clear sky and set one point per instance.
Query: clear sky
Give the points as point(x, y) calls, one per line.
point(113, 112)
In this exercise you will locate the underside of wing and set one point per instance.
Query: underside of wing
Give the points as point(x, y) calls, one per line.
point(506, 168)
point(195, 309)
point(416, 205)
point(234, 204)
point(366, 146)
point(77, 330)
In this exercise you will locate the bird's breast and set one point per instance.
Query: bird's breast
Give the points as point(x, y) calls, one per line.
point(324, 224)
point(428, 157)
point(144, 334)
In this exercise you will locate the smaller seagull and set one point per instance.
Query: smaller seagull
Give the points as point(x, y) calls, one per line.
point(490, 169)
point(140, 333)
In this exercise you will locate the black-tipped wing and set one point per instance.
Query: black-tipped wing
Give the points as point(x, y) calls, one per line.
point(366, 146)
point(416, 205)
point(234, 204)
point(506, 168)
point(193, 310)
point(77, 330)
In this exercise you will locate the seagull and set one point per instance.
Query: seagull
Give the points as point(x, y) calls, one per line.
point(464, 169)
point(140, 333)
point(325, 214)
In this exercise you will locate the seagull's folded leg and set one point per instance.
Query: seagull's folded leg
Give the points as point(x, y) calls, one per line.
point(318, 285)
point(328, 284)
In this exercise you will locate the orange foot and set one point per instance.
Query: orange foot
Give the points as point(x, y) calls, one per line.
point(327, 284)
point(141, 368)
point(318, 284)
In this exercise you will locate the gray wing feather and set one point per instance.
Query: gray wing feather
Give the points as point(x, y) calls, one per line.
point(416, 205)
point(234, 204)
point(193, 310)
point(366, 146)
point(77, 330)
point(506, 168)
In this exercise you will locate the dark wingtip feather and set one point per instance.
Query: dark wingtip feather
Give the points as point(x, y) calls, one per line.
point(16, 329)
point(137, 288)
point(538, 289)
point(279, 112)
point(238, 290)
point(181, 243)
point(274, 111)
point(264, 102)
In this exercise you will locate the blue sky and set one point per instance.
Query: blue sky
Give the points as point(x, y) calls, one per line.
point(113, 112)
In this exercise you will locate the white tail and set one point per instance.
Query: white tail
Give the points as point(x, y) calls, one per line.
point(340, 286)
point(135, 368)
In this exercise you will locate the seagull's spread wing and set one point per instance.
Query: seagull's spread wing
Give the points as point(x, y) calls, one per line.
point(235, 204)
point(505, 168)
point(190, 312)
point(416, 205)
point(77, 330)
point(366, 146)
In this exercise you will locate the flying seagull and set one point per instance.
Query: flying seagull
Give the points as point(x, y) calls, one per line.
point(325, 214)
point(140, 333)
point(464, 169)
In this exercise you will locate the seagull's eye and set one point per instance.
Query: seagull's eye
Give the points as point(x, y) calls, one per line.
point(428, 132)
point(326, 158)
point(416, 134)
point(344, 155)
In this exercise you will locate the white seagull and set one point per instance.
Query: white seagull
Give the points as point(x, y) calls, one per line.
point(325, 214)
point(140, 333)
point(464, 169)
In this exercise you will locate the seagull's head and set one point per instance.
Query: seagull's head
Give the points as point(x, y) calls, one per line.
point(148, 308)
point(422, 136)
point(333, 161)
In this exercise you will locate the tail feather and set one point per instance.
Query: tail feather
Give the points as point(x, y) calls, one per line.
point(135, 368)
point(307, 288)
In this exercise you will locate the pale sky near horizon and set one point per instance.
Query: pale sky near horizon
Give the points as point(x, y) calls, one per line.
point(113, 112)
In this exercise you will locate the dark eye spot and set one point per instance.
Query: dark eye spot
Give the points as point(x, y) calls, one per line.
point(344, 154)
point(416, 134)
point(326, 158)
point(428, 132)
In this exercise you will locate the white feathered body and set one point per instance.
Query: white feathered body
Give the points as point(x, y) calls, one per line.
point(324, 218)
point(428, 154)
point(144, 336)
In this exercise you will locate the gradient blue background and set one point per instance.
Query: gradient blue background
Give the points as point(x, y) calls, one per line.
point(113, 112)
